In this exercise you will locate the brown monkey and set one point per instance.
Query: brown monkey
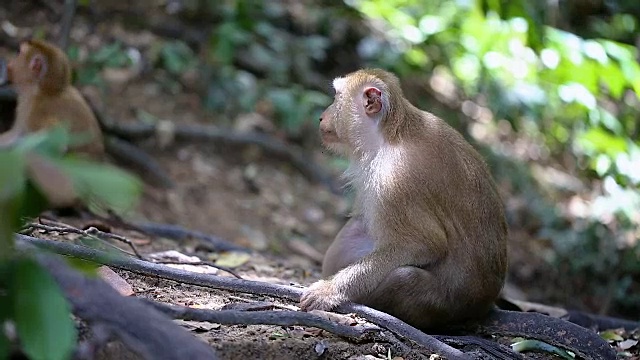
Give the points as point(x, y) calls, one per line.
point(41, 76)
point(427, 240)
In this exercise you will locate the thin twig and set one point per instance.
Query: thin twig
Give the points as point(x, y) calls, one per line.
point(264, 317)
point(90, 232)
point(271, 305)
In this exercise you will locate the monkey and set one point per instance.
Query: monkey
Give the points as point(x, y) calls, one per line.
point(427, 241)
point(41, 77)
point(427, 238)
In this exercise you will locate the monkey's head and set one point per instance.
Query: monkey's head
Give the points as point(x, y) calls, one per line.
point(40, 64)
point(362, 111)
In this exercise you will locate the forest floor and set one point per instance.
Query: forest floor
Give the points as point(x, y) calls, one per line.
point(243, 195)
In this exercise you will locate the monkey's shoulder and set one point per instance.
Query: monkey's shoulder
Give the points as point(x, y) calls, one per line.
point(68, 105)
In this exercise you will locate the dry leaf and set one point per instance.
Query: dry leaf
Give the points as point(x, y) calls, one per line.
point(115, 281)
point(627, 344)
point(232, 259)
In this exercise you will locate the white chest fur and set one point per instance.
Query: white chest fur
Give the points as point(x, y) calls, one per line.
point(375, 174)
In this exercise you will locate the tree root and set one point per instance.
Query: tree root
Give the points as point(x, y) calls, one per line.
point(143, 329)
point(581, 341)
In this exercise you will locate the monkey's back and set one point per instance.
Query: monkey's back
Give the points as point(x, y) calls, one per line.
point(457, 195)
point(477, 223)
point(70, 108)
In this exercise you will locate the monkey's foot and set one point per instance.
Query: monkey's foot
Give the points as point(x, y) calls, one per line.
point(321, 295)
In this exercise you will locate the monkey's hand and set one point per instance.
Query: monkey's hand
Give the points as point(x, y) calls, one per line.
point(322, 295)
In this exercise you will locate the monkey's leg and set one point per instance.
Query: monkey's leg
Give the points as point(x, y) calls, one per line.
point(420, 298)
point(351, 244)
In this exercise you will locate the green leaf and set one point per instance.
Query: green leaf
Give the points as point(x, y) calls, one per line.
point(41, 313)
point(611, 335)
point(613, 78)
point(177, 57)
point(597, 141)
point(87, 268)
point(102, 185)
point(5, 304)
point(112, 55)
point(34, 202)
point(4, 346)
point(50, 142)
point(225, 40)
point(537, 345)
point(12, 177)
point(12, 185)
point(108, 249)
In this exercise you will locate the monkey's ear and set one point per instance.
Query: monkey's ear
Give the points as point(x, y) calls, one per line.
point(372, 101)
point(38, 66)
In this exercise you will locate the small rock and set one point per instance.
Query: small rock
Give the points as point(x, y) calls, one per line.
point(321, 347)
point(314, 214)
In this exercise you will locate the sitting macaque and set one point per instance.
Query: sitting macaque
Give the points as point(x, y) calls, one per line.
point(41, 76)
point(427, 242)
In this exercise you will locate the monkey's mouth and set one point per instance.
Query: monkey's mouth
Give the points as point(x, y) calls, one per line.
point(329, 137)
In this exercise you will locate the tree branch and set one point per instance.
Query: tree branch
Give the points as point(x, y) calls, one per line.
point(264, 317)
point(143, 329)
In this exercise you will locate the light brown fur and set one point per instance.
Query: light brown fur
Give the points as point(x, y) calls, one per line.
point(427, 241)
point(41, 76)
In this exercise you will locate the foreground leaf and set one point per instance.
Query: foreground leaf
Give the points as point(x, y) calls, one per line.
point(103, 185)
point(4, 346)
point(41, 313)
point(12, 184)
point(537, 345)
point(50, 180)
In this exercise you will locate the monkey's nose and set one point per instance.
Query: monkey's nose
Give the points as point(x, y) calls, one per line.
point(320, 119)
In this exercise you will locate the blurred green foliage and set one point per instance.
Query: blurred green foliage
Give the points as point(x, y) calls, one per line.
point(113, 55)
point(255, 58)
point(29, 296)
